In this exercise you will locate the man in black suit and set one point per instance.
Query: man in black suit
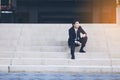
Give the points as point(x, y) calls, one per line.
point(75, 39)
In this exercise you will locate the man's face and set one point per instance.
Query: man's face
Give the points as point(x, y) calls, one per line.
point(77, 24)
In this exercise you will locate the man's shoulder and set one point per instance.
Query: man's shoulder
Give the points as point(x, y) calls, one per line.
point(71, 28)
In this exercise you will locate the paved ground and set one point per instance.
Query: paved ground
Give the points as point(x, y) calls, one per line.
point(57, 76)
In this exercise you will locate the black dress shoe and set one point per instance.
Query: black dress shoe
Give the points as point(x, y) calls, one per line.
point(73, 58)
point(82, 51)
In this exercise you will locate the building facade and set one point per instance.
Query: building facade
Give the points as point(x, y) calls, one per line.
point(58, 11)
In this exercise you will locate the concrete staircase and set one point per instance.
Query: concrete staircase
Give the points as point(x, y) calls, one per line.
point(43, 48)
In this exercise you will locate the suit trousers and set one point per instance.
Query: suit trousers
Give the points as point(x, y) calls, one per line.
point(83, 43)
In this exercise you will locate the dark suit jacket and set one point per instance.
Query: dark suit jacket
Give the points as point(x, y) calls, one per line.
point(72, 35)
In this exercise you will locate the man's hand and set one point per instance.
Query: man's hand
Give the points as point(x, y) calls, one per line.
point(83, 35)
point(77, 42)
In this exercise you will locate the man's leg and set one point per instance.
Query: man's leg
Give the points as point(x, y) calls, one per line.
point(83, 43)
point(72, 51)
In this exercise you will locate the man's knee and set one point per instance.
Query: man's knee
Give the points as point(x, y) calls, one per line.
point(72, 46)
point(85, 38)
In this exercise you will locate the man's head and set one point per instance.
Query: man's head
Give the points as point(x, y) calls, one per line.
point(76, 24)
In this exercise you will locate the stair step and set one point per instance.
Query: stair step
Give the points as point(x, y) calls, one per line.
point(79, 62)
point(21, 60)
point(59, 48)
point(60, 61)
point(59, 65)
point(64, 55)
point(43, 43)
point(61, 68)
point(60, 55)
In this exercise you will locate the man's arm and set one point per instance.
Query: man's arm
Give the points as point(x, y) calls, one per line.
point(70, 34)
point(83, 32)
point(70, 40)
point(81, 29)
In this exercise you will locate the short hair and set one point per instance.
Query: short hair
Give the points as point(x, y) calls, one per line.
point(74, 21)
